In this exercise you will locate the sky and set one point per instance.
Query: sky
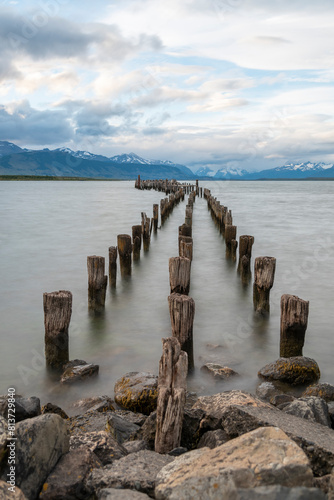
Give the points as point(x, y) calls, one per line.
point(242, 84)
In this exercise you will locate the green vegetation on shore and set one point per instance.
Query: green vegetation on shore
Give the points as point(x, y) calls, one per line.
point(52, 178)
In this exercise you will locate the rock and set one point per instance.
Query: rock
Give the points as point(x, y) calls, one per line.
point(297, 370)
point(91, 421)
point(113, 494)
point(190, 434)
point(3, 438)
point(191, 398)
point(101, 443)
point(212, 439)
point(282, 399)
point(134, 446)
point(324, 391)
point(120, 428)
point(131, 417)
point(322, 483)
point(103, 405)
point(78, 372)
point(312, 408)
point(331, 413)
point(176, 452)
point(6, 494)
point(137, 471)
point(83, 405)
point(66, 481)
point(267, 391)
point(218, 372)
point(137, 391)
point(24, 407)
point(280, 493)
point(3, 407)
point(265, 456)
point(73, 363)
point(51, 408)
point(41, 441)
point(331, 487)
point(147, 431)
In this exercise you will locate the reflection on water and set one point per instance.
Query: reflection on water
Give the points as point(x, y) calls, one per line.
point(48, 229)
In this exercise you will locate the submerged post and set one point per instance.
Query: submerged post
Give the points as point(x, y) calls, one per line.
point(294, 317)
point(124, 250)
point(57, 316)
point(172, 386)
point(264, 273)
point(97, 282)
point(179, 275)
point(112, 266)
point(182, 312)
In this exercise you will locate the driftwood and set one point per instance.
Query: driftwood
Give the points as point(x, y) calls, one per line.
point(294, 317)
point(97, 282)
point(136, 241)
point(179, 275)
point(182, 312)
point(112, 266)
point(124, 251)
point(172, 386)
point(264, 273)
point(57, 317)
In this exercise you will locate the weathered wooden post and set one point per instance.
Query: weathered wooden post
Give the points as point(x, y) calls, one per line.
point(294, 317)
point(185, 230)
point(124, 251)
point(155, 216)
point(112, 266)
point(233, 250)
point(264, 273)
point(97, 282)
point(186, 247)
point(230, 235)
point(172, 387)
point(136, 241)
point(182, 312)
point(145, 224)
point(189, 216)
point(179, 275)
point(57, 317)
point(245, 255)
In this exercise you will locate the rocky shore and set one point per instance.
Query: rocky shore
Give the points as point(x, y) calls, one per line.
point(234, 445)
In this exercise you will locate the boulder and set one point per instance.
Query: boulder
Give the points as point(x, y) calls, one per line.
point(218, 372)
point(3, 407)
point(262, 457)
point(331, 487)
point(78, 370)
point(312, 408)
point(331, 413)
point(101, 443)
point(91, 421)
point(85, 404)
point(322, 483)
point(147, 431)
point(212, 439)
point(134, 446)
point(113, 494)
point(41, 441)
point(137, 471)
point(3, 438)
point(267, 391)
point(24, 407)
point(176, 452)
point(51, 408)
point(6, 494)
point(297, 370)
point(191, 398)
point(131, 417)
point(66, 481)
point(103, 405)
point(120, 428)
point(280, 493)
point(324, 391)
point(137, 391)
point(190, 434)
point(282, 399)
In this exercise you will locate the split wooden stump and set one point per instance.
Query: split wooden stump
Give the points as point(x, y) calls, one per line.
point(186, 247)
point(264, 273)
point(294, 318)
point(182, 313)
point(97, 282)
point(124, 246)
point(179, 275)
point(136, 241)
point(57, 316)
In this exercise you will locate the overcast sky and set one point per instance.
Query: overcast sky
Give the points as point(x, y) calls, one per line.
point(237, 83)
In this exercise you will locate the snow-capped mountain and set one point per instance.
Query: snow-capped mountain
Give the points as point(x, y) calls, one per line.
point(230, 173)
point(205, 172)
point(304, 167)
point(85, 155)
point(9, 148)
point(298, 170)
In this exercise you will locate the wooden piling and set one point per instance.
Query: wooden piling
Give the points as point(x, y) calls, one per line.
point(179, 275)
point(230, 234)
point(172, 386)
point(97, 282)
point(124, 251)
point(294, 317)
point(146, 230)
point(245, 255)
point(182, 312)
point(185, 230)
point(112, 266)
point(155, 216)
point(57, 316)
point(186, 247)
point(264, 273)
point(136, 241)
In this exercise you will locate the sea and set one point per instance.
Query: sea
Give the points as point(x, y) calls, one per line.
point(47, 230)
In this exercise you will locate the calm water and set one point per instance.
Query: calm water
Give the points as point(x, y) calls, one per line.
point(47, 229)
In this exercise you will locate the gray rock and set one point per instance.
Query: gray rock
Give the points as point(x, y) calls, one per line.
point(282, 399)
point(322, 483)
point(191, 398)
point(83, 405)
point(267, 391)
point(132, 417)
point(331, 413)
point(324, 391)
point(212, 439)
point(113, 494)
point(312, 408)
point(190, 434)
point(137, 471)
point(3, 406)
point(137, 391)
point(331, 487)
point(218, 372)
point(6, 494)
point(41, 441)
point(262, 457)
point(103, 405)
point(51, 408)
point(297, 370)
point(120, 428)
point(134, 446)
point(91, 421)
point(176, 452)
point(280, 493)
point(66, 481)
point(3, 438)
point(101, 443)
point(147, 431)
point(24, 407)
point(77, 373)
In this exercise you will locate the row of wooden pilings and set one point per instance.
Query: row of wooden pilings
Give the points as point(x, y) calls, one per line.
point(294, 311)
point(58, 305)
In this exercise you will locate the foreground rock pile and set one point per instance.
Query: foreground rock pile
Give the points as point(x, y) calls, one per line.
point(234, 446)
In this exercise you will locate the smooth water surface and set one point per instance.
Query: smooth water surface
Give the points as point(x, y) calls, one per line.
point(47, 230)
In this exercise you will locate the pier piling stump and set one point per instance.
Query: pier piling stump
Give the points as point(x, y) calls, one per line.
point(179, 275)
point(136, 241)
point(264, 273)
point(182, 312)
point(57, 316)
point(124, 251)
point(112, 266)
point(294, 317)
point(245, 250)
point(186, 247)
point(97, 282)
point(146, 230)
point(185, 230)
point(155, 216)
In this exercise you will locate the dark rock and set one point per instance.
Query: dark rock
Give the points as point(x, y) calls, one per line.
point(73, 363)
point(324, 391)
point(3, 438)
point(137, 391)
point(267, 391)
point(6, 494)
point(297, 370)
point(78, 372)
point(282, 399)
point(131, 417)
point(147, 431)
point(280, 493)
point(103, 405)
point(331, 413)
point(218, 372)
point(101, 443)
point(176, 452)
point(66, 481)
point(212, 439)
point(120, 428)
point(24, 407)
point(41, 441)
point(190, 434)
point(191, 398)
point(134, 446)
point(331, 487)
point(91, 421)
point(114, 494)
point(137, 471)
point(83, 405)
point(3, 407)
point(51, 408)
point(322, 483)
point(312, 408)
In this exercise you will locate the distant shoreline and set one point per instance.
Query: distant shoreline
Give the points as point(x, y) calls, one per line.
point(60, 178)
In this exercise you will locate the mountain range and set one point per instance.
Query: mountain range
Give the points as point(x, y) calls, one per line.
point(63, 162)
